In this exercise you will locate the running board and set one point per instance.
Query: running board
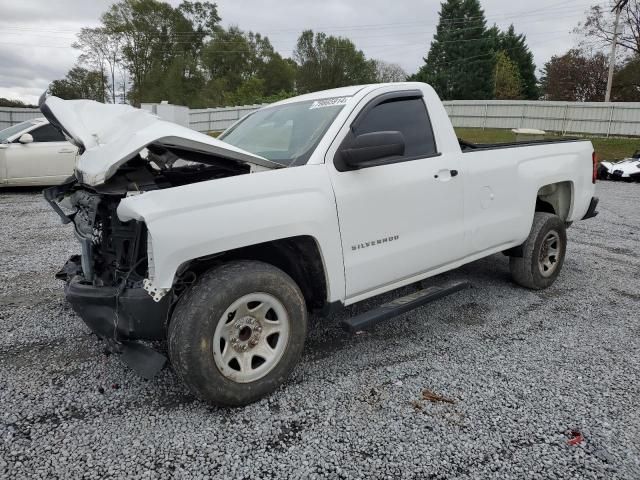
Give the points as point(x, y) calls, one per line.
point(400, 305)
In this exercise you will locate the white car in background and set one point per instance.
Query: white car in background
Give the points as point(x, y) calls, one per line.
point(35, 153)
point(627, 169)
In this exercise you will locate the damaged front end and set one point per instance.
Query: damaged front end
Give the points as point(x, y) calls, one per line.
point(124, 152)
point(108, 284)
point(104, 284)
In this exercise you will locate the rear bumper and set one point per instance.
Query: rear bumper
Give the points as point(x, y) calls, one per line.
point(130, 314)
point(591, 212)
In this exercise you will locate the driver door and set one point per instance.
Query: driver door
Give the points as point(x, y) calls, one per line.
point(402, 217)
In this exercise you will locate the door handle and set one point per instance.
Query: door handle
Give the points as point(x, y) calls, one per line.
point(452, 173)
point(66, 150)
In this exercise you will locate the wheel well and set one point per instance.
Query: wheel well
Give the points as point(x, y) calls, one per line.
point(299, 257)
point(555, 198)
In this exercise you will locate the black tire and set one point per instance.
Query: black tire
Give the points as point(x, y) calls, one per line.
point(200, 310)
point(603, 173)
point(528, 270)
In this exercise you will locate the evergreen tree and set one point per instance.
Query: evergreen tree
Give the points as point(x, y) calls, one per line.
point(461, 59)
point(507, 81)
point(515, 47)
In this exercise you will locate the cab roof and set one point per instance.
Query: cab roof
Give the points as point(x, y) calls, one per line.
point(341, 92)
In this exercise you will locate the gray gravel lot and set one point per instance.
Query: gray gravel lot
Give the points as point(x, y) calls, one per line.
point(523, 369)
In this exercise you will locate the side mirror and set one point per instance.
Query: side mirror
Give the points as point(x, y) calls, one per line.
point(365, 149)
point(25, 138)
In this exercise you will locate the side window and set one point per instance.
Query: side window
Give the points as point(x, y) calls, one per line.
point(406, 115)
point(47, 133)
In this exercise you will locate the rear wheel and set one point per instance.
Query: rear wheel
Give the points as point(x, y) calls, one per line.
point(542, 253)
point(238, 333)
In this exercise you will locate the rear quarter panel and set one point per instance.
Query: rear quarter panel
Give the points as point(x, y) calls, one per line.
point(501, 186)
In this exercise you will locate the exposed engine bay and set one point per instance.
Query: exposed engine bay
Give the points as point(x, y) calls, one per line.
point(106, 283)
point(124, 152)
point(115, 253)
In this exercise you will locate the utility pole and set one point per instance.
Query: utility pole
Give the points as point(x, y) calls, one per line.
point(612, 60)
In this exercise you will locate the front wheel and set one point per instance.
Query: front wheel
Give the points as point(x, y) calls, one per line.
point(542, 253)
point(238, 333)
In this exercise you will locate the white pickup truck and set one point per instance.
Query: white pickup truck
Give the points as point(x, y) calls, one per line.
point(223, 246)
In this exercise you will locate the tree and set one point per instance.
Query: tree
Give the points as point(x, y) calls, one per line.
point(516, 49)
point(598, 27)
point(7, 102)
point(507, 80)
point(626, 84)
point(182, 55)
point(244, 68)
point(203, 17)
point(575, 77)
point(279, 75)
point(328, 62)
point(461, 58)
point(80, 83)
point(249, 92)
point(155, 35)
point(179, 82)
point(226, 57)
point(389, 72)
point(101, 51)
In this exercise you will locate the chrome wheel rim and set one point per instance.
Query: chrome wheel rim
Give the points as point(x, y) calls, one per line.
point(549, 254)
point(251, 337)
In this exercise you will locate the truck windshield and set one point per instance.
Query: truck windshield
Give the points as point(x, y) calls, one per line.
point(286, 134)
point(11, 131)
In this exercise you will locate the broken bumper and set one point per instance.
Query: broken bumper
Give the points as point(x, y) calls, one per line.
point(114, 313)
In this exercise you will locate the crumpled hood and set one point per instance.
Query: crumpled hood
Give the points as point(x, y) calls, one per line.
point(109, 135)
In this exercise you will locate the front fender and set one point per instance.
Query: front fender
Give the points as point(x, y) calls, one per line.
point(206, 218)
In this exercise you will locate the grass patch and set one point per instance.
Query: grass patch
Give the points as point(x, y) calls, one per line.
point(613, 148)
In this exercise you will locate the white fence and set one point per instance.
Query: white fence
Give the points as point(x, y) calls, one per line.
point(218, 119)
point(10, 116)
point(566, 117)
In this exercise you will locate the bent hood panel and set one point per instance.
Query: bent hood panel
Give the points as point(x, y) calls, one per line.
point(110, 135)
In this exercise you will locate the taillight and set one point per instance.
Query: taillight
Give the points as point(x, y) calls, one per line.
point(595, 167)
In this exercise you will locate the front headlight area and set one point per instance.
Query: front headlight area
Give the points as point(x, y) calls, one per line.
point(156, 293)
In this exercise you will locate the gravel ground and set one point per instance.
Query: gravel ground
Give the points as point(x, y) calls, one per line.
point(522, 370)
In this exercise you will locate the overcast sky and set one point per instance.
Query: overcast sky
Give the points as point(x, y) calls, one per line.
point(36, 35)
